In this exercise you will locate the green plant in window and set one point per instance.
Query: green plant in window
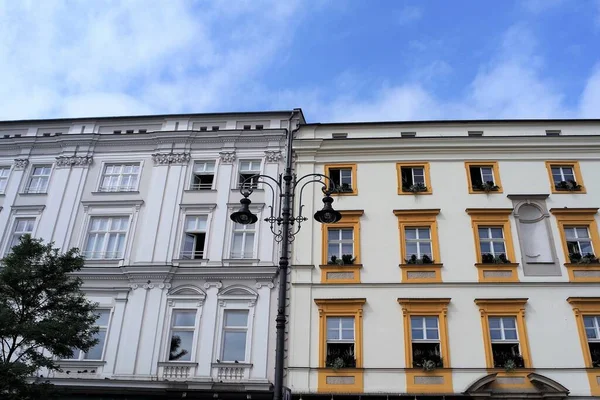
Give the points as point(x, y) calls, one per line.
point(488, 186)
point(569, 185)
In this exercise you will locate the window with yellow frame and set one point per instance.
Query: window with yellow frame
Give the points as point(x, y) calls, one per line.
point(426, 344)
point(342, 179)
point(341, 260)
point(504, 333)
point(493, 244)
point(340, 345)
point(565, 177)
point(580, 242)
point(413, 178)
point(587, 317)
point(483, 177)
point(419, 245)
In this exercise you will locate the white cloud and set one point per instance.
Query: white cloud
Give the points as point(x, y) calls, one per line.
point(590, 100)
point(408, 15)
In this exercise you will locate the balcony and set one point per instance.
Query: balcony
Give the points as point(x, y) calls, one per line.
point(178, 371)
point(231, 372)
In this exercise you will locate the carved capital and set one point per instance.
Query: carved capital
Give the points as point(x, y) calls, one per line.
point(270, 285)
point(272, 155)
point(227, 157)
point(164, 286)
point(73, 161)
point(21, 163)
point(208, 285)
point(171, 158)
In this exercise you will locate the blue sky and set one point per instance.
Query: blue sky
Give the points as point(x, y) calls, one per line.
point(338, 60)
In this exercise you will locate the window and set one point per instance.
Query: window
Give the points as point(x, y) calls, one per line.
point(491, 243)
point(194, 237)
point(475, 133)
point(235, 332)
point(426, 343)
point(247, 127)
point(483, 177)
point(248, 170)
point(181, 340)
point(592, 331)
point(21, 226)
point(215, 128)
point(243, 241)
point(565, 177)
point(259, 127)
point(4, 173)
point(120, 178)
point(413, 178)
point(38, 181)
point(203, 128)
point(342, 178)
point(106, 237)
point(580, 242)
point(96, 352)
point(555, 132)
point(505, 338)
point(341, 240)
point(408, 134)
point(587, 316)
point(340, 345)
point(419, 245)
point(203, 175)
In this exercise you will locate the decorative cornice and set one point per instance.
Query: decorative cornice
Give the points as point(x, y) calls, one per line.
point(270, 285)
point(149, 285)
point(272, 155)
point(208, 285)
point(227, 157)
point(73, 161)
point(21, 163)
point(171, 158)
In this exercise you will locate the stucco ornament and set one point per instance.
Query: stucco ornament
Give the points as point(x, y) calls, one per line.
point(171, 158)
point(227, 157)
point(21, 163)
point(73, 161)
point(272, 155)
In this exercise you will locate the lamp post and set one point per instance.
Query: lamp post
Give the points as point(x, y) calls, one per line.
point(284, 225)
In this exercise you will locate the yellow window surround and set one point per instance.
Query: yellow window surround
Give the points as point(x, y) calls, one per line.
point(584, 217)
point(350, 219)
point(576, 171)
point(499, 308)
point(415, 164)
point(352, 167)
point(494, 217)
point(427, 307)
point(583, 306)
point(495, 172)
point(419, 273)
point(348, 380)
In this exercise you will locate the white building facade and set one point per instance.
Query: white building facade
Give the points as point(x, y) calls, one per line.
point(464, 266)
point(186, 300)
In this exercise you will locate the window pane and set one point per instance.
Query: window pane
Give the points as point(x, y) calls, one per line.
point(333, 323)
point(333, 250)
point(95, 353)
point(348, 334)
point(417, 333)
point(181, 345)
point(483, 233)
point(426, 248)
point(509, 323)
point(498, 248)
point(582, 233)
point(494, 322)
point(570, 233)
point(347, 234)
point(485, 247)
point(347, 248)
point(496, 233)
point(236, 318)
point(510, 334)
point(411, 233)
point(591, 333)
point(588, 322)
point(586, 247)
point(103, 316)
point(333, 234)
point(184, 318)
point(347, 323)
point(234, 346)
point(411, 248)
point(431, 322)
point(333, 334)
point(249, 245)
point(495, 334)
point(423, 233)
point(432, 334)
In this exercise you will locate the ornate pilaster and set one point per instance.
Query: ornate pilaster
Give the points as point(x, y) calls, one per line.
point(171, 158)
point(227, 157)
point(73, 161)
point(272, 156)
point(21, 163)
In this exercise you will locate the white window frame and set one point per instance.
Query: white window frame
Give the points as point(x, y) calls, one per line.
point(345, 174)
point(482, 175)
point(194, 329)
point(185, 232)
point(5, 171)
point(340, 329)
point(38, 190)
point(491, 240)
point(340, 242)
point(561, 169)
point(423, 328)
point(193, 174)
point(418, 240)
point(13, 225)
point(412, 173)
point(244, 231)
point(258, 171)
point(79, 355)
point(578, 239)
point(120, 187)
point(596, 328)
point(225, 329)
point(502, 331)
point(106, 235)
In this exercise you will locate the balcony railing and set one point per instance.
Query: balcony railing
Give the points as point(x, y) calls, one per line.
point(226, 372)
point(201, 186)
point(116, 188)
point(176, 370)
point(102, 255)
point(191, 255)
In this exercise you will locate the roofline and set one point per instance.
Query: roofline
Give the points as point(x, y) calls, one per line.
point(131, 117)
point(454, 121)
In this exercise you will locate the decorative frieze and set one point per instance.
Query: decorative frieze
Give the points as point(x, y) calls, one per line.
point(272, 156)
point(21, 163)
point(73, 161)
point(227, 157)
point(270, 285)
point(149, 285)
point(171, 158)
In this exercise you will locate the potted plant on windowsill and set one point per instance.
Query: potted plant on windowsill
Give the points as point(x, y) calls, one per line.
point(488, 186)
point(588, 258)
point(428, 360)
point(414, 188)
point(346, 259)
point(595, 354)
point(343, 188)
point(570, 186)
point(508, 361)
point(488, 258)
point(337, 359)
point(425, 259)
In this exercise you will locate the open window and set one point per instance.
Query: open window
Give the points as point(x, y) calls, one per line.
point(247, 171)
point(203, 175)
point(194, 237)
point(413, 178)
point(483, 177)
point(565, 177)
point(343, 178)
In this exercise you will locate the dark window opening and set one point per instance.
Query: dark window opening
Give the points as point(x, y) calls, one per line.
point(6, 136)
point(259, 127)
point(426, 355)
point(408, 134)
point(340, 355)
point(129, 131)
point(339, 135)
point(553, 133)
point(475, 133)
point(215, 128)
point(251, 182)
point(202, 182)
point(58, 134)
point(247, 127)
point(193, 246)
point(507, 355)
point(46, 134)
point(143, 130)
point(595, 354)
point(204, 128)
point(18, 135)
point(482, 178)
point(117, 132)
point(341, 180)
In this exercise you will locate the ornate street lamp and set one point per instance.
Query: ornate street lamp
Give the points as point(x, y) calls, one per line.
point(284, 226)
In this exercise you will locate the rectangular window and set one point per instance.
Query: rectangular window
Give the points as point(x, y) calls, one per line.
point(483, 177)
point(243, 241)
point(106, 237)
point(413, 178)
point(38, 181)
point(22, 226)
point(4, 172)
point(418, 243)
point(181, 340)
point(491, 243)
point(120, 178)
point(342, 178)
point(579, 242)
point(235, 332)
point(425, 337)
point(505, 342)
point(592, 332)
point(97, 351)
point(194, 237)
point(248, 170)
point(340, 343)
point(340, 242)
point(565, 177)
point(203, 175)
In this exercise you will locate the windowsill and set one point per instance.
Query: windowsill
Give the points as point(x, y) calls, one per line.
point(180, 363)
point(231, 364)
point(33, 194)
point(431, 265)
point(241, 260)
point(421, 273)
point(80, 363)
point(188, 262)
point(583, 272)
point(259, 189)
point(476, 191)
point(200, 190)
point(102, 262)
point(102, 193)
point(581, 191)
point(338, 266)
point(402, 192)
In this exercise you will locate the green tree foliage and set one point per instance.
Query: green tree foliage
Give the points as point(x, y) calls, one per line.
point(43, 314)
